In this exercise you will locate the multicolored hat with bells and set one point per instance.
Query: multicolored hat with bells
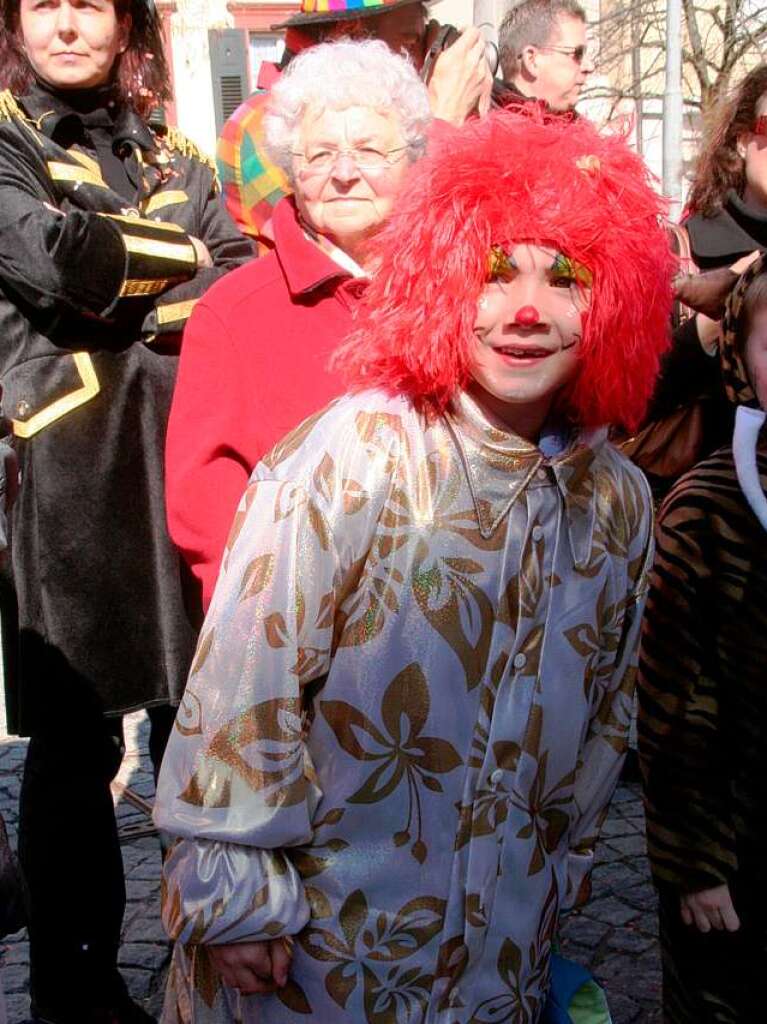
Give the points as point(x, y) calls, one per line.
point(315, 11)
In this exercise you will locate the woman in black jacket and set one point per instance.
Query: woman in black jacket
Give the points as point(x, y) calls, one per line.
point(725, 227)
point(109, 232)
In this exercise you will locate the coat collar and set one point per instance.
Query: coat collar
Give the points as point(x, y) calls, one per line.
point(500, 465)
point(734, 229)
point(50, 108)
point(305, 265)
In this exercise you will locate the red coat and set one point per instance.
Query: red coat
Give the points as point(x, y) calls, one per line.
point(254, 364)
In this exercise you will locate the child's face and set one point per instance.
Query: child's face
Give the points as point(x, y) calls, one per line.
point(528, 325)
point(756, 355)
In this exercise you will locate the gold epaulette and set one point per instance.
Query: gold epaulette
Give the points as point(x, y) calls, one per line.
point(9, 108)
point(178, 141)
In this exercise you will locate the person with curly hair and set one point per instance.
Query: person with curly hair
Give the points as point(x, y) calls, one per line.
point(412, 693)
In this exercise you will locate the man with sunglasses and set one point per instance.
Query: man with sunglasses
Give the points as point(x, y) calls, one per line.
point(544, 54)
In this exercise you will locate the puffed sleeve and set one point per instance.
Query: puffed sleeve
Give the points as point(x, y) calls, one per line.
point(607, 737)
point(79, 260)
point(237, 784)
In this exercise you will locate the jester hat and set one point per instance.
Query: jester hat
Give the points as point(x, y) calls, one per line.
point(509, 178)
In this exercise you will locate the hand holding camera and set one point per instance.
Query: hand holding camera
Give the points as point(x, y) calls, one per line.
point(457, 71)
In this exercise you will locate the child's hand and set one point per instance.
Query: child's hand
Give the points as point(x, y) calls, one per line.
point(253, 967)
point(710, 908)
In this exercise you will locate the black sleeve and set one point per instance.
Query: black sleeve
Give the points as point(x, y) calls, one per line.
point(686, 373)
point(79, 260)
point(228, 248)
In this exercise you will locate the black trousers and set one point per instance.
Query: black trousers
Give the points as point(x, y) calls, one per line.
point(70, 855)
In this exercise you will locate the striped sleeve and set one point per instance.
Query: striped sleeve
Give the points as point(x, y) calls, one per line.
point(690, 835)
point(157, 255)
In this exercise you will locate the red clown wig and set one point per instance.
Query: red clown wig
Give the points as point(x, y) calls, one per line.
point(511, 178)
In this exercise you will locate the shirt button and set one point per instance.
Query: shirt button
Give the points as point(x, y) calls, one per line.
point(23, 409)
point(537, 532)
point(520, 660)
point(496, 777)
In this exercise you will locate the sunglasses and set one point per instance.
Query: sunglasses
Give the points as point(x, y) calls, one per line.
point(576, 52)
point(760, 125)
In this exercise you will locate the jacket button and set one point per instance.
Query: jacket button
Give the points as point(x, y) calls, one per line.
point(520, 660)
point(496, 777)
point(23, 409)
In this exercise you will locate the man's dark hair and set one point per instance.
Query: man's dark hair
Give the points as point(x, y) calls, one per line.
point(531, 23)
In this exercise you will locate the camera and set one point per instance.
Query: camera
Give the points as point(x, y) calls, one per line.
point(445, 38)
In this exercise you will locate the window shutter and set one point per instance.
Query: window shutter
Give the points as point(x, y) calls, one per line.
point(229, 70)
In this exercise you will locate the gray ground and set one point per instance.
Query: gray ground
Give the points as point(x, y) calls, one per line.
point(616, 934)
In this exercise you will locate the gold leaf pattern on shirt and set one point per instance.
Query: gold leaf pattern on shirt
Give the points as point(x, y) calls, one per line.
point(363, 941)
point(203, 650)
point(546, 811)
point(272, 734)
point(257, 576)
point(189, 715)
point(407, 756)
point(293, 441)
point(383, 435)
point(455, 606)
point(522, 1001)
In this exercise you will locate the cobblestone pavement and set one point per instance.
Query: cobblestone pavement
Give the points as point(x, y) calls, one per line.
point(615, 934)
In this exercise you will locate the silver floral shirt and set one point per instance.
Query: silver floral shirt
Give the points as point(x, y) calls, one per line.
point(405, 719)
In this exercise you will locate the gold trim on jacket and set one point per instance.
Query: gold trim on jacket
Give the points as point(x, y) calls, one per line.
point(66, 403)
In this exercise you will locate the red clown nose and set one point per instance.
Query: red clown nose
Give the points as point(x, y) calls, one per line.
point(527, 316)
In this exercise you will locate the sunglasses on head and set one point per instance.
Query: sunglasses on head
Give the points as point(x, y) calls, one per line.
point(760, 125)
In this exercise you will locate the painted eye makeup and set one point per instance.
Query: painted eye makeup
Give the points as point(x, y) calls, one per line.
point(565, 272)
point(500, 265)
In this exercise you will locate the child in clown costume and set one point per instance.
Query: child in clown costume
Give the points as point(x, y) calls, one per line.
point(411, 696)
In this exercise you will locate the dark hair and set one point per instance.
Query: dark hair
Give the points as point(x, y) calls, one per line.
point(719, 168)
point(140, 74)
point(531, 23)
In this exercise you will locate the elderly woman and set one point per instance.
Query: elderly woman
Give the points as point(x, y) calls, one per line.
point(109, 232)
point(346, 120)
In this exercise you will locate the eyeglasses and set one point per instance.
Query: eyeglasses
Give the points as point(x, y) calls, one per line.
point(366, 159)
point(760, 125)
point(576, 52)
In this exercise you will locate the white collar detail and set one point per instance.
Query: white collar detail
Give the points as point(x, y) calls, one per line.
point(748, 424)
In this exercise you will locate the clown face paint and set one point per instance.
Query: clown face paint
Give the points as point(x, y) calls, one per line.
point(527, 331)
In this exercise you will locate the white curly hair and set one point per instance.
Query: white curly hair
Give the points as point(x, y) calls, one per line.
point(345, 74)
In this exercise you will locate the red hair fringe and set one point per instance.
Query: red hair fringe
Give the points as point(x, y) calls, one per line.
point(518, 177)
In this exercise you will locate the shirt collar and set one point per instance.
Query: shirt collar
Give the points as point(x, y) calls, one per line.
point(48, 108)
point(305, 265)
point(500, 465)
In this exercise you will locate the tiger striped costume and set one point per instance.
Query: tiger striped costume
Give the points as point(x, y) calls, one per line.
point(703, 710)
